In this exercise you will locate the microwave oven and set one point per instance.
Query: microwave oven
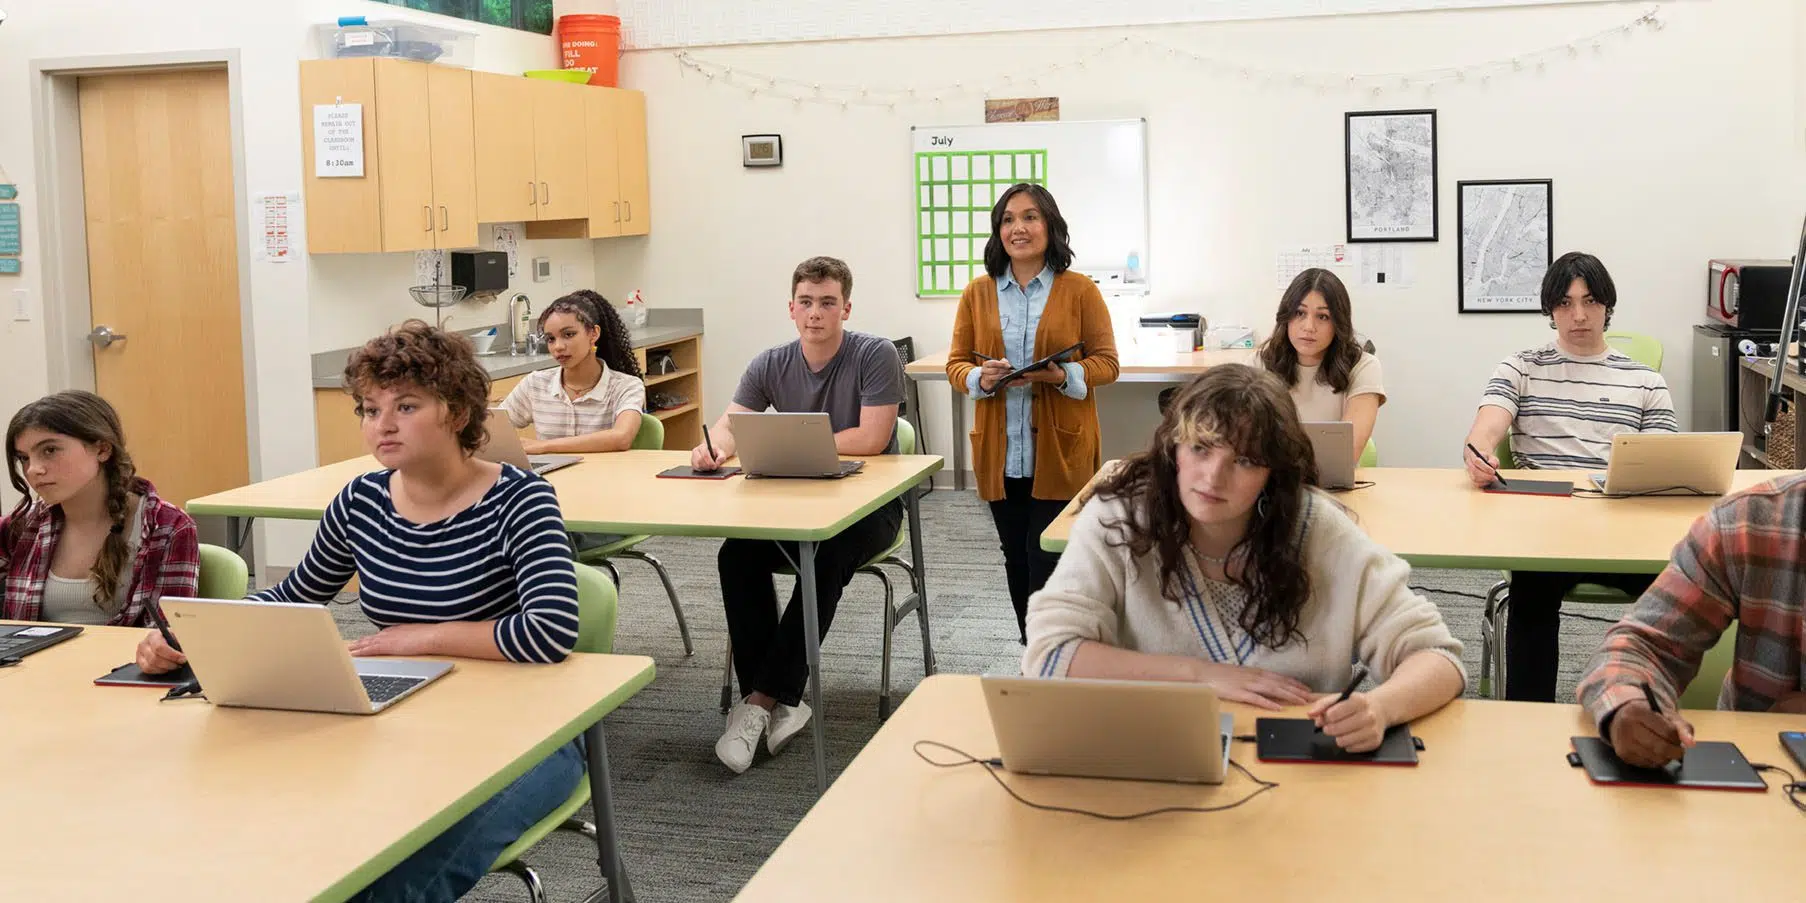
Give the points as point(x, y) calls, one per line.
point(1747, 294)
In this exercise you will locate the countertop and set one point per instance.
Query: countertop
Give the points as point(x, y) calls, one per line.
point(662, 326)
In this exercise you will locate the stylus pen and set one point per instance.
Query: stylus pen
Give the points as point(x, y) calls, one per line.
point(1360, 674)
point(707, 442)
point(985, 357)
point(1673, 767)
point(163, 627)
point(1495, 470)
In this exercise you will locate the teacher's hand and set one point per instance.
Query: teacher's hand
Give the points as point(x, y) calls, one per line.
point(990, 372)
point(1052, 373)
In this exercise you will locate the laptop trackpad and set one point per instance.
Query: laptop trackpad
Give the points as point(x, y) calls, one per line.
point(399, 667)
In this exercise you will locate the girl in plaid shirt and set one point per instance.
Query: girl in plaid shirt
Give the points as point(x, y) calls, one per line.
point(90, 542)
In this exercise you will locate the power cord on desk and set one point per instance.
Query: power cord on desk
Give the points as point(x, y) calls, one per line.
point(1676, 491)
point(991, 766)
point(1793, 788)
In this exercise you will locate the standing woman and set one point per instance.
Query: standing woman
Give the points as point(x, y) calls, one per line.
point(592, 401)
point(1037, 441)
point(1314, 349)
point(90, 542)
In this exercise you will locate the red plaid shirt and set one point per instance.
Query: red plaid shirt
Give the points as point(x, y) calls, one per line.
point(1744, 561)
point(168, 562)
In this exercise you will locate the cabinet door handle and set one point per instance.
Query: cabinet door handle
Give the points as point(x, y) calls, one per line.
point(618, 219)
point(545, 195)
point(429, 217)
point(532, 196)
point(629, 205)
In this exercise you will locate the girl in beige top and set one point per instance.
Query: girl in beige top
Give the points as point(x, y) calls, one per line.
point(1314, 349)
point(1209, 558)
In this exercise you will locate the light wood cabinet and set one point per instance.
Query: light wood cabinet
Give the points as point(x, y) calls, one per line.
point(683, 422)
point(530, 156)
point(620, 199)
point(559, 149)
point(416, 191)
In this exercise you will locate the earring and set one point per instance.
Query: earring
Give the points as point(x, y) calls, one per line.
point(1260, 506)
point(1552, 324)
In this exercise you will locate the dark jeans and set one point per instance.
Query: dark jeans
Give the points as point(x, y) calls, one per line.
point(1021, 519)
point(769, 656)
point(452, 863)
point(1533, 628)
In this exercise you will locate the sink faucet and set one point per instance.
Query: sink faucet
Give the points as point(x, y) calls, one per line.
point(517, 336)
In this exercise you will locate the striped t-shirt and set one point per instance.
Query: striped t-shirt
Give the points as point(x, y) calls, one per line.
point(1565, 409)
point(503, 559)
point(539, 399)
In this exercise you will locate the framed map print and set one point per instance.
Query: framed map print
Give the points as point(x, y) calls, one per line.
point(1506, 246)
point(1391, 160)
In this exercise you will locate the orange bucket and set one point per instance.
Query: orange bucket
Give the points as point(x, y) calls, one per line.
point(593, 44)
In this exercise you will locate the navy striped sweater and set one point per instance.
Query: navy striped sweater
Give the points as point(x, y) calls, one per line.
point(504, 559)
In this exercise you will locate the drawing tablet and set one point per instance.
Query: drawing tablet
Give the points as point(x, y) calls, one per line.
point(686, 472)
point(1519, 486)
point(1708, 766)
point(1298, 740)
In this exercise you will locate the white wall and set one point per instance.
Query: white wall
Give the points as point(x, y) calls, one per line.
point(1666, 149)
point(333, 301)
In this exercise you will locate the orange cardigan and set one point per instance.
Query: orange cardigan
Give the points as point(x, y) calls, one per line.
point(1069, 453)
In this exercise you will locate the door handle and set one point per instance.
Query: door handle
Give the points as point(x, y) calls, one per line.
point(617, 211)
point(545, 195)
point(429, 217)
point(444, 219)
point(532, 196)
point(103, 337)
point(629, 205)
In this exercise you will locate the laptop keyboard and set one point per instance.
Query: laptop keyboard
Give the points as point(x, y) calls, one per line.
point(383, 689)
point(8, 644)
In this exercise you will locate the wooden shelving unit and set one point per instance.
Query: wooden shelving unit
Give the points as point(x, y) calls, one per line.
point(683, 421)
point(1753, 378)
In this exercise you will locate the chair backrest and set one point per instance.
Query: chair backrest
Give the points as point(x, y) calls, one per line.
point(651, 434)
point(1702, 693)
point(1644, 349)
point(1370, 456)
point(223, 574)
point(906, 437)
point(597, 607)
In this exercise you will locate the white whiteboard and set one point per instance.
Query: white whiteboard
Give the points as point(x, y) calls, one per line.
point(1097, 171)
point(653, 24)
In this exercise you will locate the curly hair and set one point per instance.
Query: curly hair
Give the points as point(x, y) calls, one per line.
point(614, 346)
point(1250, 411)
point(90, 420)
point(419, 354)
point(1344, 350)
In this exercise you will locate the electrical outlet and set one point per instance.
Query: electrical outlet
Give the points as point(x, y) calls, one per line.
point(21, 306)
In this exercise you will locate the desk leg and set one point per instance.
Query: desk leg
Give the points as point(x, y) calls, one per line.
point(238, 532)
point(959, 439)
point(805, 572)
point(912, 504)
point(601, 793)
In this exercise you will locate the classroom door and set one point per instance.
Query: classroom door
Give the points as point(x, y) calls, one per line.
point(163, 274)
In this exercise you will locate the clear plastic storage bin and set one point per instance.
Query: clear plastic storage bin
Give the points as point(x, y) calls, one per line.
point(398, 39)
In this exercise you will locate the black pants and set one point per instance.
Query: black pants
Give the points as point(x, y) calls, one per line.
point(769, 655)
point(1021, 519)
point(1533, 629)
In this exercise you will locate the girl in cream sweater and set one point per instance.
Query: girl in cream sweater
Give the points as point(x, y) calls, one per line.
point(1211, 558)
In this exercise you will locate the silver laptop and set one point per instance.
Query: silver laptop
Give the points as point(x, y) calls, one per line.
point(272, 655)
point(504, 447)
point(772, 444)
point(1334, 443)
point(1681, 463)
point(1136, 730)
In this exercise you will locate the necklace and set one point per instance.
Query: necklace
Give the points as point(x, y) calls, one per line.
point(570, 393)
point(1222, 562)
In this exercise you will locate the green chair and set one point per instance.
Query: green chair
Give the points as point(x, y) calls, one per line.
point(1370, 456)
point(223, 574)
point(652, 436)
point(1702, 693)
point(1643, 349)
point(596, 611)
point(893, 613)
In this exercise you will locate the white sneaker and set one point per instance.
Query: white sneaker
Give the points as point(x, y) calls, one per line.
point(786, 723)
point(746, 723)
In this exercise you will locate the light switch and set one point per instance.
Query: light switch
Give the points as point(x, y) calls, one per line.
point(21, 306)
point(567, 275)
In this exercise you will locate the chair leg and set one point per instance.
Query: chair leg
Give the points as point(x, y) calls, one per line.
point(1489, 639)
point(614, 576)
point(890, 624)
point(536, 892)
point(1502, 620)
point(727, 680)
point(915, 584)
point(683, 627)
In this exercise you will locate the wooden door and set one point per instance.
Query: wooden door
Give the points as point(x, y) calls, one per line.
point(559, 155)
point(600, 108)
point(507, 191)
point(162, 222)
point(454, 156)
point(404, 152)
point(344, 216)
point(636, 184)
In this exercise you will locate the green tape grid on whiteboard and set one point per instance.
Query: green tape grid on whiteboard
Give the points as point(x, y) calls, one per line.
point(979, 177)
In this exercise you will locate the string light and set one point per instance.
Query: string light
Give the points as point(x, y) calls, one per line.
point(798, 91)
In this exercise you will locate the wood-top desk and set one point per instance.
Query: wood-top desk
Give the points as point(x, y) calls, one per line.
point(1493, 813)
point(114, 795)
point(1135, 367)
point(1434, 517)
point(621, 492)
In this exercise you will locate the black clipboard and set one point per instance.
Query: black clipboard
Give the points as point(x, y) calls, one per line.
point(1561, 488)
point(1708, 765)
point(1060, 357)
point(1299, 740)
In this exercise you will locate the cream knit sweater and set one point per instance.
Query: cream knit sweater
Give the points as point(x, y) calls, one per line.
point(1361, 607)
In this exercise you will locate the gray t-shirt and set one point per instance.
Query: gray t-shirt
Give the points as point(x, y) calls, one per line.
point(866, 372)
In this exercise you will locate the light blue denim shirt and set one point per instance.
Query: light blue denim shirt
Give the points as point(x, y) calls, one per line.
point(1019, 311)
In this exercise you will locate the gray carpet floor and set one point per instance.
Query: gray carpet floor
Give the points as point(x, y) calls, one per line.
point(694, 832)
